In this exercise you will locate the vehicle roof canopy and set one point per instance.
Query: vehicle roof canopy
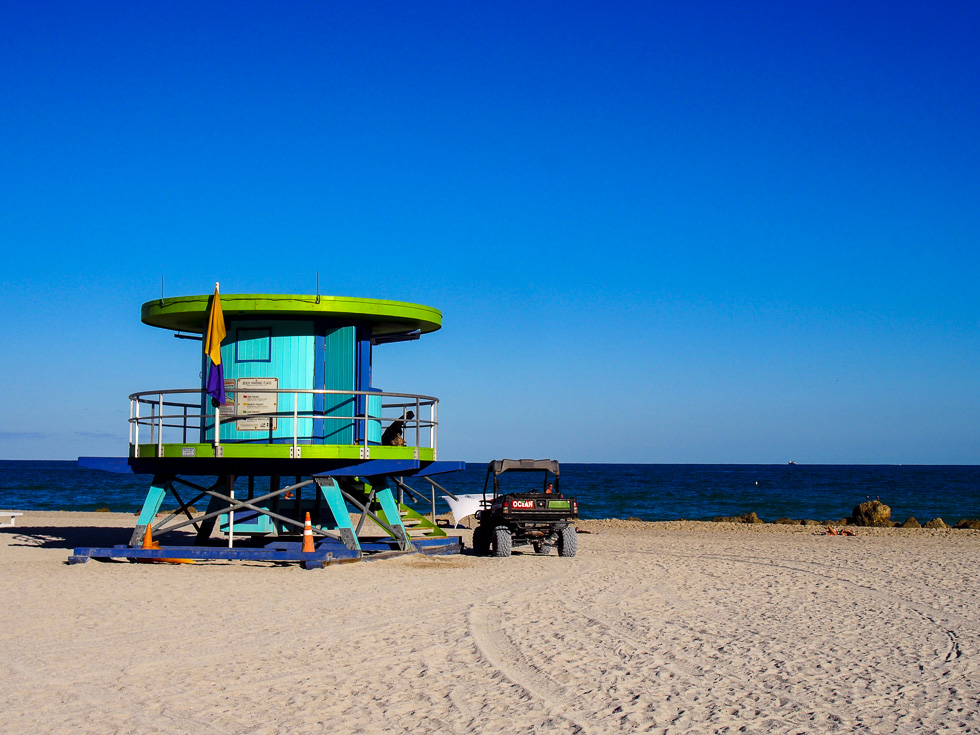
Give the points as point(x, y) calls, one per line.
point(499, 466)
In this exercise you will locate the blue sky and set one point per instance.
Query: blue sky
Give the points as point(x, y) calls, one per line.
point(686, 232)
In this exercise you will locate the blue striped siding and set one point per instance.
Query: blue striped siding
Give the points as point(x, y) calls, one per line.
point(290, 359)
point(374, 427)
point(338, 374)
point(253, 345)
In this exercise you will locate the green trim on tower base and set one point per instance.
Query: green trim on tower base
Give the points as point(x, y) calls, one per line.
point(262, 459)
point(190, 452)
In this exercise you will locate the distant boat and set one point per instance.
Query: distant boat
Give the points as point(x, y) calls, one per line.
point(791, 462)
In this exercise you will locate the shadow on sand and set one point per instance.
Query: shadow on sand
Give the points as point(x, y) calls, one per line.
point(72, 537)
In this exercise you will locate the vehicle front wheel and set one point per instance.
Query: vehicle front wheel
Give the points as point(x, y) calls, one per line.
point(502, 542)
point(567, 541)
point(481, 540)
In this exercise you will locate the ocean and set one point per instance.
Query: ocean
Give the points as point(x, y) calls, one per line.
point(651, 492)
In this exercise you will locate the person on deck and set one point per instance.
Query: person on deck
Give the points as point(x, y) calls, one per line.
point(392, 436)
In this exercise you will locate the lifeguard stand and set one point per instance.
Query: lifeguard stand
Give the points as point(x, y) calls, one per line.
point(302, 430)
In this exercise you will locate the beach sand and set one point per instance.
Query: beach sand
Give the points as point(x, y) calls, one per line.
point(654, 627)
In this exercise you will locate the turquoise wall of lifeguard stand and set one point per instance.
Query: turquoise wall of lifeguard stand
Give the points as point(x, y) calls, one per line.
point(300, 355)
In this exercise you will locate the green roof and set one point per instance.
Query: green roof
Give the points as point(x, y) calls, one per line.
point(189, 313)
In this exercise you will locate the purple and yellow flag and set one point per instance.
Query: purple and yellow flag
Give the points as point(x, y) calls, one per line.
point(212, 348)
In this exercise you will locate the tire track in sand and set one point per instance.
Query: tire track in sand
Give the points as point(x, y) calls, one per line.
point(495, 646)
point(499, 651)
point(726, 692)
point(948, 623)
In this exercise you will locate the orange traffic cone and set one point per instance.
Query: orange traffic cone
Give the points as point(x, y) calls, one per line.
point(308, 536)
point(149, 543)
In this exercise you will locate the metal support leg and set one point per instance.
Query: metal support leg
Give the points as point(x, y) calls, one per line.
point(151, 506)
point(330, 492)
point(394, 518)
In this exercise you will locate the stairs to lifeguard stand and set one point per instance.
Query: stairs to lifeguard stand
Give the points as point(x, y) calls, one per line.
point(382, 504)
point(418, 525)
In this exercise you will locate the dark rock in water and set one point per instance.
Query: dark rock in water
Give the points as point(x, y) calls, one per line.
point(744, 518)
point(935, 523)
point(971, 523)
point(811, 522)
point(910, 522)
point(872, 513)
point(788, 521)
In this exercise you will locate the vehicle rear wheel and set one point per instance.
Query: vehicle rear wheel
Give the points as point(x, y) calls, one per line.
point(502, 541)
point(567, 541)
point(481, 540)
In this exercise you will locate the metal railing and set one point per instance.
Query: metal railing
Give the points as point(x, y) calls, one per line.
point(162, 411)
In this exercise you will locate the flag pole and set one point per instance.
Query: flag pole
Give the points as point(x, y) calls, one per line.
point(231, 484)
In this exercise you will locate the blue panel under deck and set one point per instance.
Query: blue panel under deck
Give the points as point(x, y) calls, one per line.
point(119, 465)
point(373, 467)
point(437, 468)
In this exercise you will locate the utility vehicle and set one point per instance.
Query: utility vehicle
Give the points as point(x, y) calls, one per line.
point(540, 517)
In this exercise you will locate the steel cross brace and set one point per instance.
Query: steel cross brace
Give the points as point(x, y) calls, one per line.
point(404, 542)
point(236, 504)
point(367, 504)
point(184, 507)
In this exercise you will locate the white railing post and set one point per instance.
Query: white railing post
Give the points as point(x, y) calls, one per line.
point(136, 443)
point(130, 422)
point(231, 513)
point(217, 425)
point(434, 429)
point(295, 422)
point(160, 427)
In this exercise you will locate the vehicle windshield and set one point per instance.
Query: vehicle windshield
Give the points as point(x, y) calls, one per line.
point(522, 482)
